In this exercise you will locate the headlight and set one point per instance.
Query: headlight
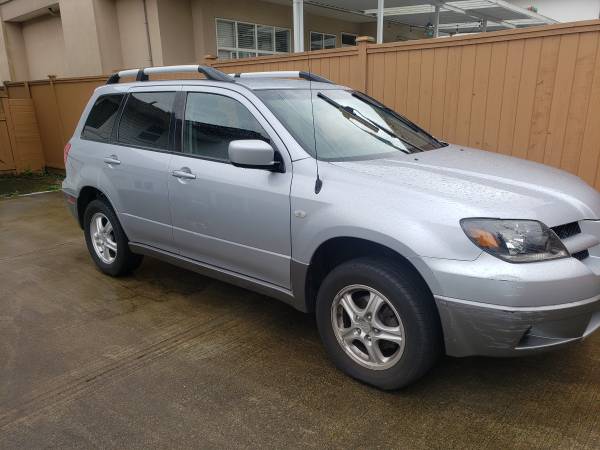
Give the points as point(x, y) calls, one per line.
point(515, 241)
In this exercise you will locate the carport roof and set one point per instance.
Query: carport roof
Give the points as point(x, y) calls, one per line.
point(455, 16)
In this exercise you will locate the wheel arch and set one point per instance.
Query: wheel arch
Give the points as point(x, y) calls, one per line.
point(307, 278)
point(86, 195)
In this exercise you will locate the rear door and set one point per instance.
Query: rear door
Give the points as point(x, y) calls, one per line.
point(233, 218)
point(136, 165)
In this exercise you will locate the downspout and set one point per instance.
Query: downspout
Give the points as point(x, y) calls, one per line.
point(148, 34)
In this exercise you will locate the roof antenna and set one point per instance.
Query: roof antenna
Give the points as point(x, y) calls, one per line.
point(318, 181)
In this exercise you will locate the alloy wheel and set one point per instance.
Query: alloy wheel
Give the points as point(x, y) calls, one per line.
point(103, 238)
point(368, 327)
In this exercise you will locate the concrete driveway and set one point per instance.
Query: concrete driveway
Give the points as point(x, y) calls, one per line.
point(168, 358)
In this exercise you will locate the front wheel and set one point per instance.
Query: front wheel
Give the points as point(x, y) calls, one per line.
point(378, 322)
point(106, 241)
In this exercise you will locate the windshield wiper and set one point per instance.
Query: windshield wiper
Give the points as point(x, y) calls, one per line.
point(388, 131)
point(349, 112)
point(405, 121)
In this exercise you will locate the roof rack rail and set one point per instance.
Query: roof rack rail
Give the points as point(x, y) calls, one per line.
point(283, 74)
point(142, 74)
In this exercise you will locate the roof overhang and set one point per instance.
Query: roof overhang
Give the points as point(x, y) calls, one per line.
point(455, 16)
point(462, 15)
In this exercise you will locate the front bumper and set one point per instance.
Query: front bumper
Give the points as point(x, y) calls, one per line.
point(492, 308)
point(472, 328)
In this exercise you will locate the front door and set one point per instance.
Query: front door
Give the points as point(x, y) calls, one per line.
point(232, 218)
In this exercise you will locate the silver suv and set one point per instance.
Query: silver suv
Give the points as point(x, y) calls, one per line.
point(403, 246)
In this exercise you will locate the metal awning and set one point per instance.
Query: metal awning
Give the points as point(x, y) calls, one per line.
point(461, 16)
point(438, 16)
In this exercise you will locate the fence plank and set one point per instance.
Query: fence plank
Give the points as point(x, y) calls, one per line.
point(414, 85)
point(546, 81)
point(401, 103)
point(512, 80)
point(440, 66)
point(426, 91)
point(389, 82)
point(529, 71)
point(452, 89)
point(590, 149)
point(465, 94)
point(560, 100)
point(480, 92)
point(579, 101)
point(495, 95)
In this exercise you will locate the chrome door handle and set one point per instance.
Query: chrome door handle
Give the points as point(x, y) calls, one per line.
point(112, 160)
point(184, 173)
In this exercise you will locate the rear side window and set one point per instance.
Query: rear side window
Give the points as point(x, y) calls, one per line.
point(146, 120)
point(212, 121)
point(100, 121)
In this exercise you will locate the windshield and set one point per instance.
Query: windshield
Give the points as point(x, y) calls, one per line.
point(347, 125)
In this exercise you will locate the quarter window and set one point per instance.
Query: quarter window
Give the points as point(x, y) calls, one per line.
point(242, 40)
point(100, 121)
point(146, 120)
point(212, 121)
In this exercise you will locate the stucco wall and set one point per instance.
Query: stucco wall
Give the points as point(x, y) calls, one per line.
point(44, 47)
point(176, 32)
point(90, 37)
point(132, 33)
point(205, 12)
point(109, 36)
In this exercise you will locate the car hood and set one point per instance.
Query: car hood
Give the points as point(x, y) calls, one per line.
point(478, 183)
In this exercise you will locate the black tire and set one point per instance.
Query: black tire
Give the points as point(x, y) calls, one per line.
point(125, 261)
point(413, 302)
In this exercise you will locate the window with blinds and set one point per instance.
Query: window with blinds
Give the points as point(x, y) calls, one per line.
point(320, 41)
point(242, 40)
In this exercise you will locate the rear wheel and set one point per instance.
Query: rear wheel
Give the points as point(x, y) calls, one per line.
point(378, 322)
point(106, 241)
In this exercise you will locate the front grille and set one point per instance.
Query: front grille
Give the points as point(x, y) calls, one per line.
point(581, 255)
point(567, 230)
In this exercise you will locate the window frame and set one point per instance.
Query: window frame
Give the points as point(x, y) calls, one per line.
point(172, 148)
point(322, 40)
point(178, 114)
point(276, 141)
point(237, 49)
point(116, 121)
point(344, 33)
point(183, 151)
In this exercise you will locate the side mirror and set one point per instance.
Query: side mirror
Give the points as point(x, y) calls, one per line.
point(254, 154)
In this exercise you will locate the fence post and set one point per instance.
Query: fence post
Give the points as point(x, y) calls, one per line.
point(361, 44)
point(52, 79)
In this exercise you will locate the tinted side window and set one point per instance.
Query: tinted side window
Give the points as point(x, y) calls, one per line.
point(146, 119)
point(212, 121)
point(100, 121)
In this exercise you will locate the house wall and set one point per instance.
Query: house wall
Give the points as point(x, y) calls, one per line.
point(89, 37)
point(176, 32)
point(109, 35)
point(133, 36)
point(204, 14)
point(44, 47)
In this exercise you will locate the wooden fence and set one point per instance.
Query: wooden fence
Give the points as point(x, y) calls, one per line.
point(533, 93)
point(20, 143)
